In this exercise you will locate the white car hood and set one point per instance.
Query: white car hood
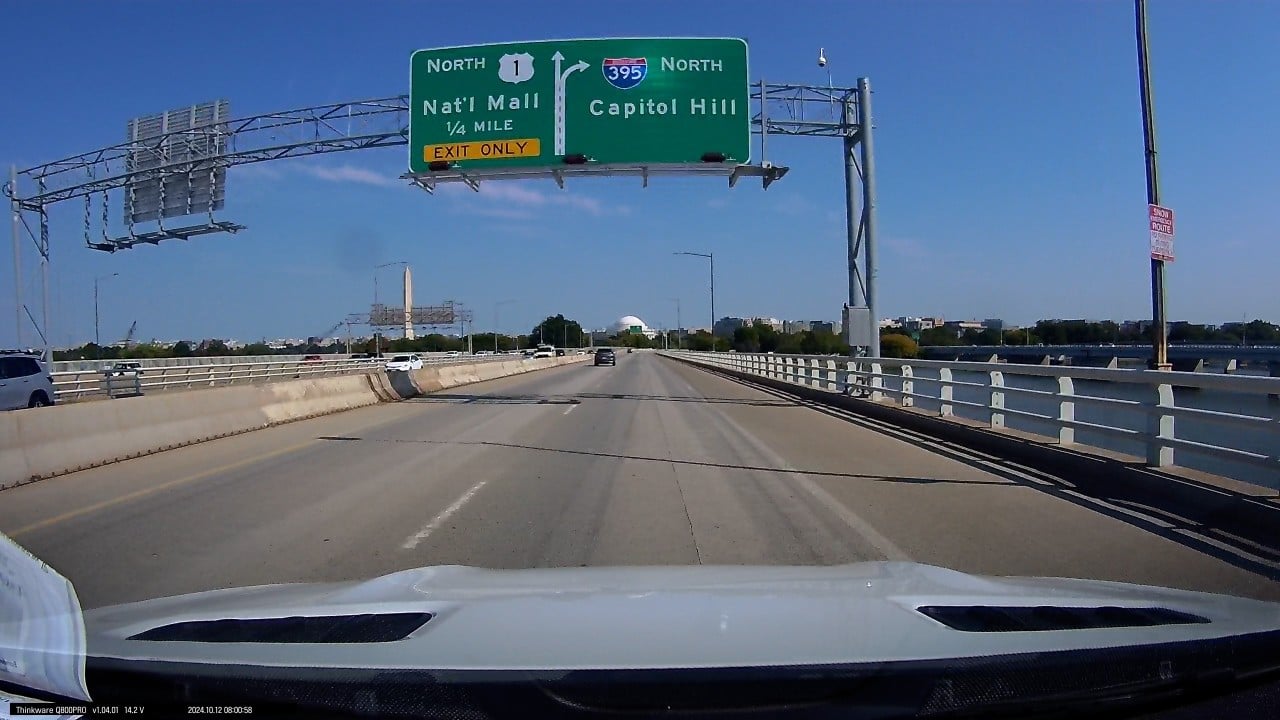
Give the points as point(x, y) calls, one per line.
point(662, 617)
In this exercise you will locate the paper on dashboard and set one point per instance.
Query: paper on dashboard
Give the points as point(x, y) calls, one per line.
point(42, 639)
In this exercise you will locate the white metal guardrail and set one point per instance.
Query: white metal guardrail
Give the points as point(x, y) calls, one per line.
point(1206, 420)
point(98, 383)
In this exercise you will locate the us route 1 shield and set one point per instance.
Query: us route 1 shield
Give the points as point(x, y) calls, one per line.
point(634, 101)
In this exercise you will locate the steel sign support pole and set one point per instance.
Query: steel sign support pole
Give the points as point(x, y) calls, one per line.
point(16, 209)
point(45, 332)
point(857, 293)
point(1159, 323)
point(865, 123)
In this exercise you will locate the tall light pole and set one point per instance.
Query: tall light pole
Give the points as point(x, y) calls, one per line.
point(497, 305)
point(712, 258)
point(97, 340)
point(1159, 326)
point(679, 325)
point(377, 337)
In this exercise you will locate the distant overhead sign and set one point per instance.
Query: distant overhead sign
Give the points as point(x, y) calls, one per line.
point(1161, 221)
point(633, 100)
point(180, 148)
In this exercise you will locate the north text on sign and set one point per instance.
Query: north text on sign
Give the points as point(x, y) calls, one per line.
point(689, 65)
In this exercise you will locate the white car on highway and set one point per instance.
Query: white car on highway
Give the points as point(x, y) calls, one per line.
point(404, 363)
point(124, 369)
point(24, 382)
point(545, 351)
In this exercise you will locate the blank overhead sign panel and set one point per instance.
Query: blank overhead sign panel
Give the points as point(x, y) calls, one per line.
point(175, 158)
point(632, 100)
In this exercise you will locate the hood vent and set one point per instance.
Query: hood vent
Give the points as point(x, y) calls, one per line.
point(322, 629)
point(993, 618)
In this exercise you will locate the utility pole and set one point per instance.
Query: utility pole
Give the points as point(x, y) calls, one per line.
point(1160, 329)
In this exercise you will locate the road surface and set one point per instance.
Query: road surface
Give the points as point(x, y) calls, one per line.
point(649, 462)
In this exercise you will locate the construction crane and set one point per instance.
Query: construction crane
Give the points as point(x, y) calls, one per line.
point(128, 337)
point(314, 341)
point(328, 331)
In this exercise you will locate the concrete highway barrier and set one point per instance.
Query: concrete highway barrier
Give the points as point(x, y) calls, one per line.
point(46, 442)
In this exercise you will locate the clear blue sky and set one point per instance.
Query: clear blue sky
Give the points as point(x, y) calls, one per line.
point(1008, 148)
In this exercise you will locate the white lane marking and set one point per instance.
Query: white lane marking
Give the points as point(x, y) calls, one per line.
point(569, 409)
point(875, 538)
point(430, 527)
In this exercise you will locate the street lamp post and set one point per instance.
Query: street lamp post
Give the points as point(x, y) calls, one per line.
point(712, 258)
point(497, 305)
point(97, 339)
point(680, 325)
point(377, 337)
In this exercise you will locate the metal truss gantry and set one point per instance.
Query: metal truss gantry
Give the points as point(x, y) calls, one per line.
point(780, 109)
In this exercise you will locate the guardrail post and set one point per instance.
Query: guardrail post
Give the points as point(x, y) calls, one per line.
point(946, 409)
point(877, 382)
point(1066, 411)
point(908, 386)
point(831, 376)
point(1160, 427)
point(813, 373)
point(996, 403)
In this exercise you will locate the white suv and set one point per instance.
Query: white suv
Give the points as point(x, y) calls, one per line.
point(545, 351)
point(24, 383)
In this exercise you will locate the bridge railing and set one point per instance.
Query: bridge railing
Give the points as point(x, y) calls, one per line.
point(1225, 424)
point(96, 383)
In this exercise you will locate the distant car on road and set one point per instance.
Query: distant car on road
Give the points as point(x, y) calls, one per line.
point(453, 353)
point(312, 358)
point(606, 356)
point(24, 382)
point(544, 351)
point(560, 352)
point(404, 363)
point(124, 369)
point(528, 353)
point(630, 350)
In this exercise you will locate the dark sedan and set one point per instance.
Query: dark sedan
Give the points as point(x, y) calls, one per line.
point(606, 356)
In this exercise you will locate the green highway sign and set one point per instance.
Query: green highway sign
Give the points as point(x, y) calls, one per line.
point(628, 100)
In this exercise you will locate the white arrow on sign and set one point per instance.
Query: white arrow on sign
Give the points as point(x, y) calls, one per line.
point(559, 140)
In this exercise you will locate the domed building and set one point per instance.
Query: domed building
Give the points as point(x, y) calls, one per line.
point(630, 324)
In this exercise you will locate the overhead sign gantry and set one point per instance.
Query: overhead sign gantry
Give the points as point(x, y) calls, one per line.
point(543, 109)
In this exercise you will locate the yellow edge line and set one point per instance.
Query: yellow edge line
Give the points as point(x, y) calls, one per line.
point(157, 488)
